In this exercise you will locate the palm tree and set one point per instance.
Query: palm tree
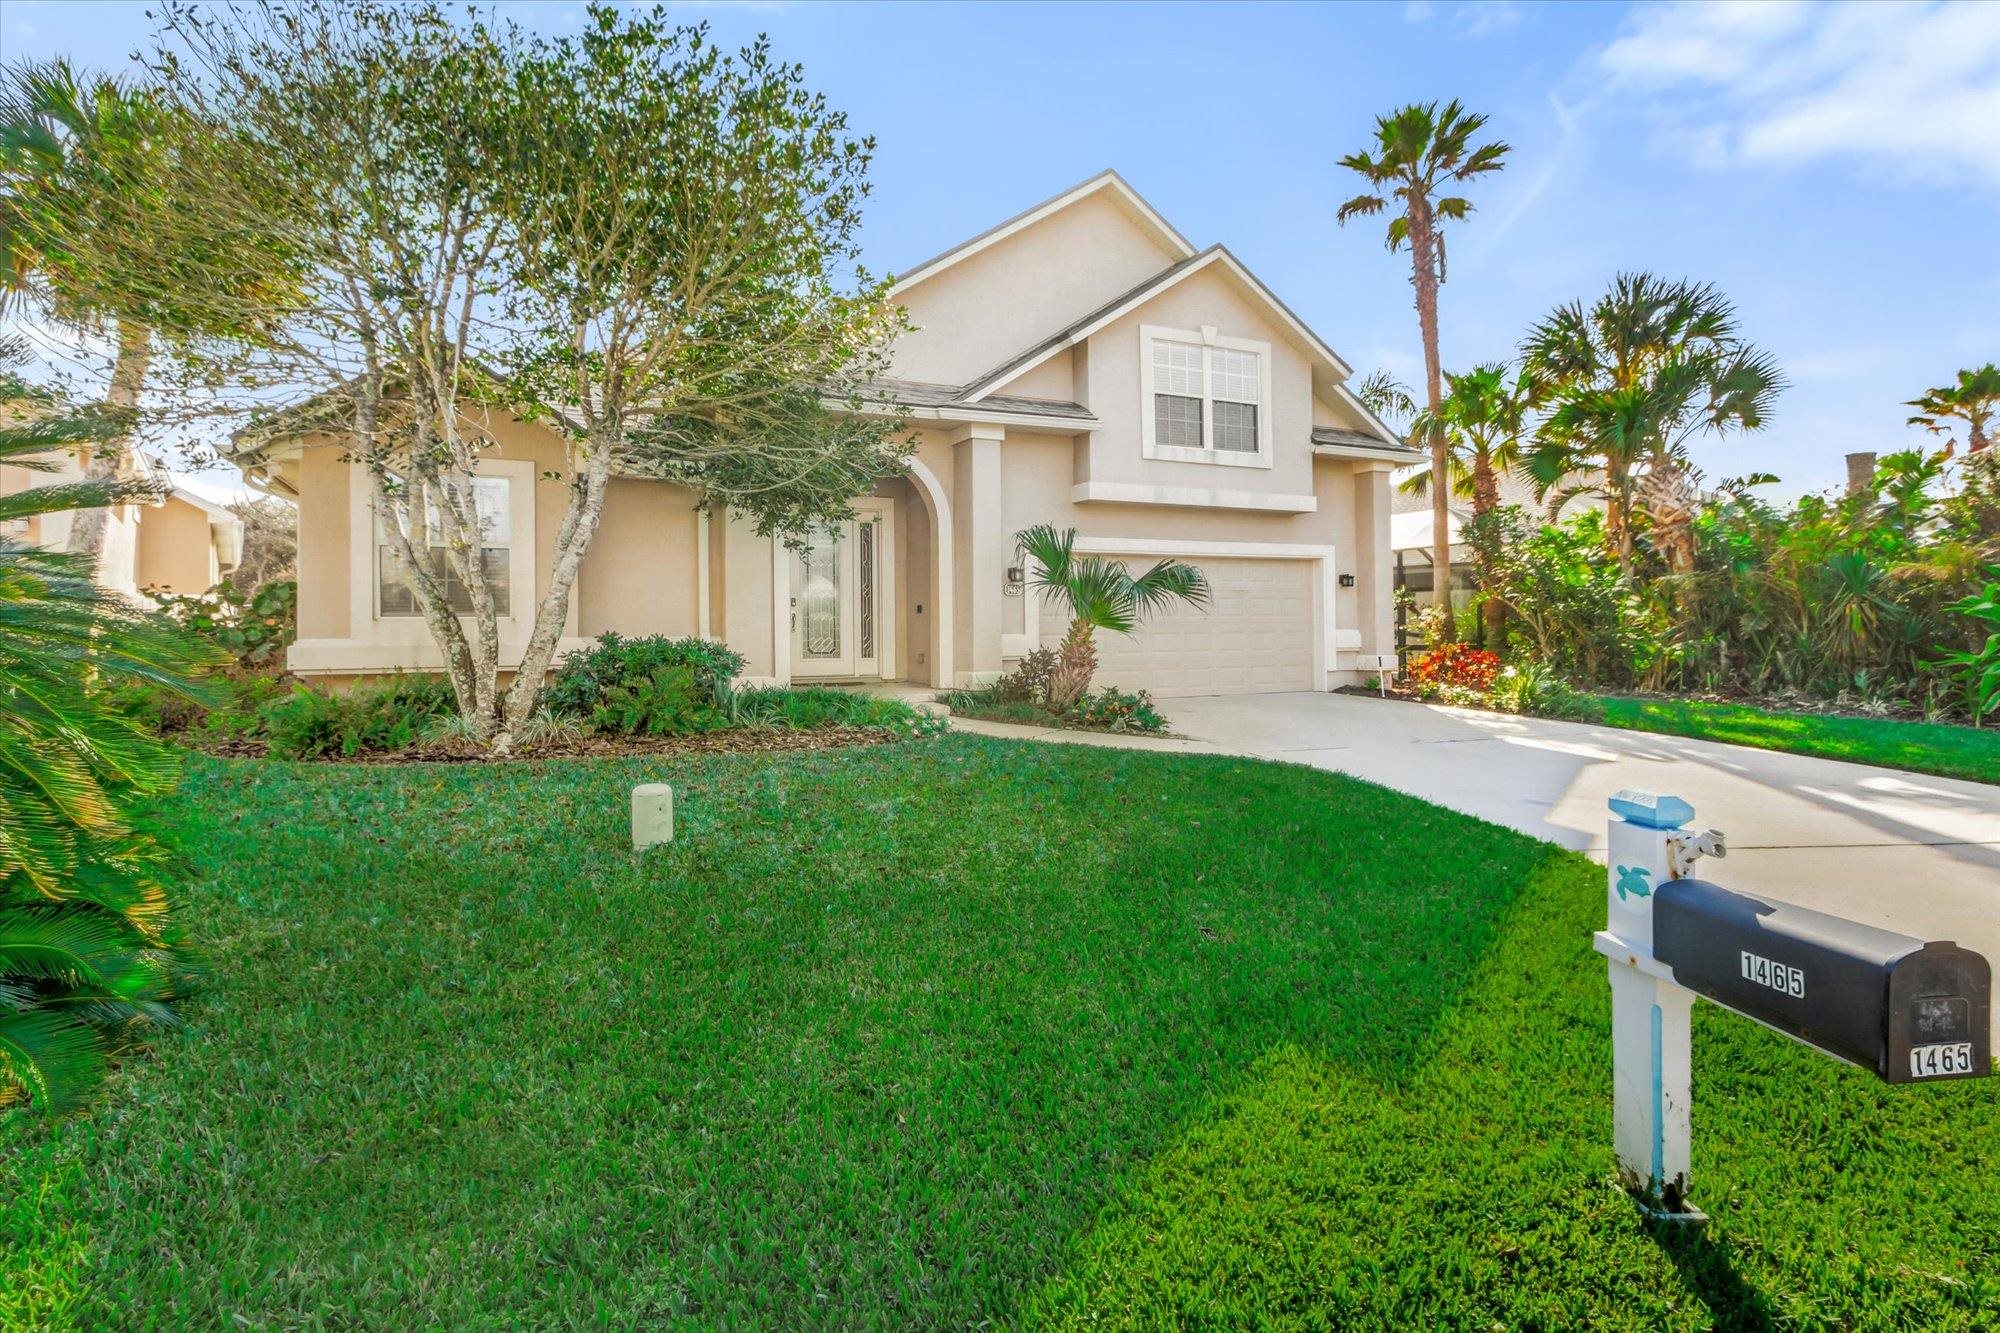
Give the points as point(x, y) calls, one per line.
point(111, 218)
point(1481, 419)
point(86, 962)
point(1100, 594)
point(66, 147)
point(1975, 400)
point(1628, 383)
point(1387, 397)
point(1421, 150)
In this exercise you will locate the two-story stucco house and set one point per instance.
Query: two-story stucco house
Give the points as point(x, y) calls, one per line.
point(177, 542)
point(1081, 364)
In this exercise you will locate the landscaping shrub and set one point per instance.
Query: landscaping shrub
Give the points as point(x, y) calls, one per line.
point(664, 702)
point(1458, 665)
point(1112, 709)
point(615, 673)
point(808, 707)
point(1027, 683)
point(1532, 688)
point(1016, 698)
point(313, 724)
point(254, 628)
point(1864, 598)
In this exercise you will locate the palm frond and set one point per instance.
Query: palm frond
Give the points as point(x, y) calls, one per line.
point(1168, 582)
point(52, 1059)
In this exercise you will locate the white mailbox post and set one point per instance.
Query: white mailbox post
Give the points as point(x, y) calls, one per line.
point(1649, 1012)
point(1907, 1009)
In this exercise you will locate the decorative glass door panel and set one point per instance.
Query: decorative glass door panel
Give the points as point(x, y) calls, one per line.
point(836, 601)
point(819, 603)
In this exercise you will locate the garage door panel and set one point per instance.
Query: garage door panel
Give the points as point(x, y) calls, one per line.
point(1254, 637)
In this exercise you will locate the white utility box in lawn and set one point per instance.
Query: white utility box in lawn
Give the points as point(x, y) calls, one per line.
point(652, 815)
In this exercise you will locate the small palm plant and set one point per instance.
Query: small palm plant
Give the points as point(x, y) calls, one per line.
point(1100, 594)
point(86, 960)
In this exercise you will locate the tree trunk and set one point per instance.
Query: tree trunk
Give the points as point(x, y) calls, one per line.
point(1976, 436)
point(573, 537)
point(1424, 277)
point(1485, 501)
point(110, 460)
point(1076, 663)
point(1618, 518)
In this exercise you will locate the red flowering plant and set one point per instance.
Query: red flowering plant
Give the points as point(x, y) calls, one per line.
point(1457, 665)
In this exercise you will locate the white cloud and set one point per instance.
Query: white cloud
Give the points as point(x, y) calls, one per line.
point(1485, 17)
point(1916, 87)
point(1477, 18)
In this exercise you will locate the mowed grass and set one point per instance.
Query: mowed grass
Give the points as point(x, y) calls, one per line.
point(1920, 747)
point(936, 1034)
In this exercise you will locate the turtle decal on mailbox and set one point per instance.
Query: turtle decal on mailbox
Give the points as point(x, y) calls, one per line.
point(1632, 882)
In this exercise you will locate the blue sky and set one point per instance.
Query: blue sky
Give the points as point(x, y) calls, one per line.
point(1834, 168)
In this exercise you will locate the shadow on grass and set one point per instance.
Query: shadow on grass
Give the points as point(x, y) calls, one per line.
point(1468, 1183)
point(1708, 1269)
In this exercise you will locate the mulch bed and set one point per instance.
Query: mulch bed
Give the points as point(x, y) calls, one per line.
point(737, 740)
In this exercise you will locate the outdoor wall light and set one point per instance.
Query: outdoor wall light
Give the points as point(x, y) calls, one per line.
point(1347, 580)
point(1017, 577)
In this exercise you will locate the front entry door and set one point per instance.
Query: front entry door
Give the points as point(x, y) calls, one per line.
point(835, 601)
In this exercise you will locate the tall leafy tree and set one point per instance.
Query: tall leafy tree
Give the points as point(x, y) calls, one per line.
point(642, 241)
point(1481, 418)
point(1973, 401)
point(1100, 594)
point(1628, 383)
point(1421, 152)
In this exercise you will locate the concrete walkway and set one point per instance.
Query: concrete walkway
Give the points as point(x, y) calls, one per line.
point(1911, 853)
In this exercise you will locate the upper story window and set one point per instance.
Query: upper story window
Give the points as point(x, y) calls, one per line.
point(493, 497)
point(1208, 397)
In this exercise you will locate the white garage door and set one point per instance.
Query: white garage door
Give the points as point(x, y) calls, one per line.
point(1255, 637)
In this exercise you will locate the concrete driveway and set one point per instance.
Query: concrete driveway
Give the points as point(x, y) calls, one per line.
point(1912, 853)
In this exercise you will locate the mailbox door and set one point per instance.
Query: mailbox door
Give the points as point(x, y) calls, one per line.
point(1940, 1016)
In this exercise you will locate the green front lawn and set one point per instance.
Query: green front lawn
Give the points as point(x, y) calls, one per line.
point(934, 1033)
point(1920, 747)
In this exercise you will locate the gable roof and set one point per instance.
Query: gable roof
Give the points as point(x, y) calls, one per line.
point(1217, 255)
point(1147, 216)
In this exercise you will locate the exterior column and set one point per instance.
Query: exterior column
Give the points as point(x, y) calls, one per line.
point(1374, 563)
point(980, 544)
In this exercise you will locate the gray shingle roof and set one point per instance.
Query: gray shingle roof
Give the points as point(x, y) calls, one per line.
point(1354, 439)
point(916, 393)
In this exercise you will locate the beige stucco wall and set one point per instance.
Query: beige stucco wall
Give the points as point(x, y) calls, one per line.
point(1055, 378)
point(174, 549)
point(640, 575)
point(325, 525)
point(986, 308)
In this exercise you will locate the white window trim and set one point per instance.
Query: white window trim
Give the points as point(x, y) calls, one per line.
point(406, 640)
point(1205, 337)
point(516, 492)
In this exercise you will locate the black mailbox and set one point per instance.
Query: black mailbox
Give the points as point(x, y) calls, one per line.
point(1909, 1010)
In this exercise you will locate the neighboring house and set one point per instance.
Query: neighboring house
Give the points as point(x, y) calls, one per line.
point(178, 542)
point(1080, 364)
point(1410, 529)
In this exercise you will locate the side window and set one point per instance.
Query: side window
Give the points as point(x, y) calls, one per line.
point(494, 498)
